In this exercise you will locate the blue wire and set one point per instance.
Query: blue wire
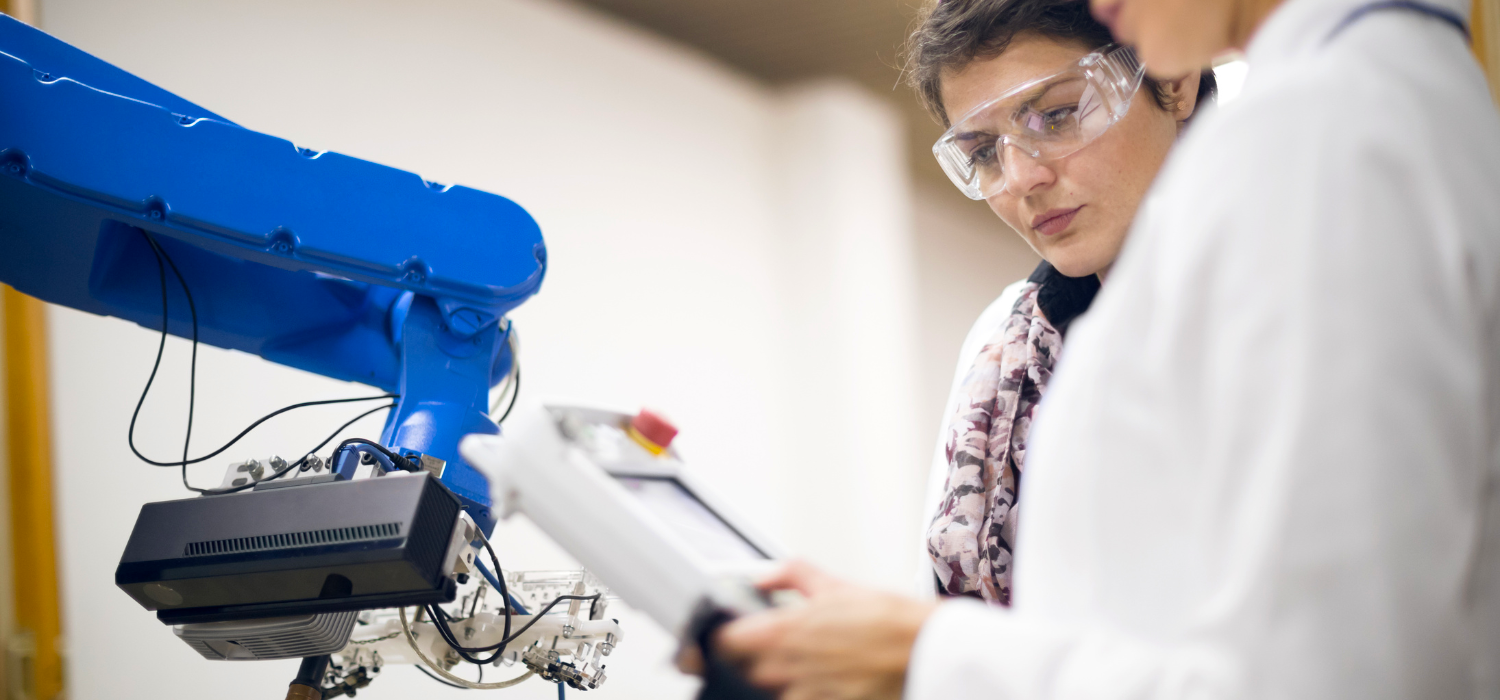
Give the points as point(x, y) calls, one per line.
point(560, 690)
point(485, 571)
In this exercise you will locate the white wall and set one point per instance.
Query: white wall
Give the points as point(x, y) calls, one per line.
point(739, 258)
point(965, 257)
point(850, 281)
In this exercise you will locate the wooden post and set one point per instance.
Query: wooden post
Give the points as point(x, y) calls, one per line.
point(33, 668)
point(1484, 25)
point(36, 667)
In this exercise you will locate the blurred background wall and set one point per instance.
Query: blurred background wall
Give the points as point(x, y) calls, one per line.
point(746, 232)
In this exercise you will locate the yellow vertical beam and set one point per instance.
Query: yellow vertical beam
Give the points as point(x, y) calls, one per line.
point(1485, 27)
point(33, 667)
point(7, 565)
point(33, 654)
point(1476, 21)
point(38, 624)
point(32, 645)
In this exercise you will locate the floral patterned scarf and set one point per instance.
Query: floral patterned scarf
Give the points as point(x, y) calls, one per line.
point(970, 539)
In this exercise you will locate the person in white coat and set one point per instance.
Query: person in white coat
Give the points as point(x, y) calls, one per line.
point(1269, 462)
point(1030, 72)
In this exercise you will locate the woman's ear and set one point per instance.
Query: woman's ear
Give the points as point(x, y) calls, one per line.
point(1182, 97)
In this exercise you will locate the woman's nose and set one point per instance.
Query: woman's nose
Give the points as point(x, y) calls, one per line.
point(1024, 173)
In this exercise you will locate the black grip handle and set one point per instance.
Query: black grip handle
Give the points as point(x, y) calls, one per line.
point(721, 679)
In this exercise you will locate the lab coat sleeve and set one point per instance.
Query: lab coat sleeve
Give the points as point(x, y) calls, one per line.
point(969, 650)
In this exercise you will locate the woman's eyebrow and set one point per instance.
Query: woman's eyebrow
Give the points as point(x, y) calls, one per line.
point(970, 135)
point(1015, 104)
point(1039, 91)
point(1034, 93)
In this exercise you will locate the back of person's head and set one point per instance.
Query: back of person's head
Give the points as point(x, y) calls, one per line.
point(953, 33)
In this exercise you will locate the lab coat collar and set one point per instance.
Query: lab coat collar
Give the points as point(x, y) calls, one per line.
point(1298, 27)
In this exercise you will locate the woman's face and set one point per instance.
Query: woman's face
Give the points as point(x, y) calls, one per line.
point(1074, 211)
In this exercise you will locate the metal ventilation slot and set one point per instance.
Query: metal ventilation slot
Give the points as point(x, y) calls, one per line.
point(305, 538)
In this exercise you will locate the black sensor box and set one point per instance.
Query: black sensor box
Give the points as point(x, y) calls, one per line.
point(342, 545)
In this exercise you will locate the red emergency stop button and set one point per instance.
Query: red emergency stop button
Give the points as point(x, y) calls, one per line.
point(652, 431)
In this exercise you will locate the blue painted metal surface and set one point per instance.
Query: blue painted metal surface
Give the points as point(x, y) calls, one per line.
point(444, 401)
point(318, 261)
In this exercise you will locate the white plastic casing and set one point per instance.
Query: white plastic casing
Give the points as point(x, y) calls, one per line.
point(550, 466)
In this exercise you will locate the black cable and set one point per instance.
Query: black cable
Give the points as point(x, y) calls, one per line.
point(247, 430)
point(192, 376)
point(425, 672)
point(161, 347)
point(514, 393)
point(499, 578)
point(295, 465)
point(440, 617)
point(504, 589)
point(440, 620)
point(161, 254)
point(515, 605)
point(437, 622)
point(550, 605)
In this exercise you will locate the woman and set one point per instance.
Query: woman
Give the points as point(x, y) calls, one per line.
point(1061, 134)
point(1066, 170)
point(1276, 476)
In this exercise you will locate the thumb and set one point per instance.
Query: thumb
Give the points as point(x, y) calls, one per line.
point(798, 575)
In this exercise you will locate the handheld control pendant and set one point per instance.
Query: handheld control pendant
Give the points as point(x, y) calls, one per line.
point(610, 489)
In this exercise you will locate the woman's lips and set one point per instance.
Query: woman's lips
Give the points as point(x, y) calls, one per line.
point(1055, 221)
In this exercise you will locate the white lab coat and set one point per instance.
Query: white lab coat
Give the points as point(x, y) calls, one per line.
point(1268, 465)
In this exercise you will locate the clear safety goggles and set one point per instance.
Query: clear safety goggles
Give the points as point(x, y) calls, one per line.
point(1044, 119)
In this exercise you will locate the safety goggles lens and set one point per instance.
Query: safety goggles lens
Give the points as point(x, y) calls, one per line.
point(1048, 118)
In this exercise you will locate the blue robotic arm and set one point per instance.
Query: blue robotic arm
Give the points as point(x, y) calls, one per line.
point(314, 260)
point(322, 262)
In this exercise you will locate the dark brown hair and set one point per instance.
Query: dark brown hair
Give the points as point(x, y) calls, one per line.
point(953, 33)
